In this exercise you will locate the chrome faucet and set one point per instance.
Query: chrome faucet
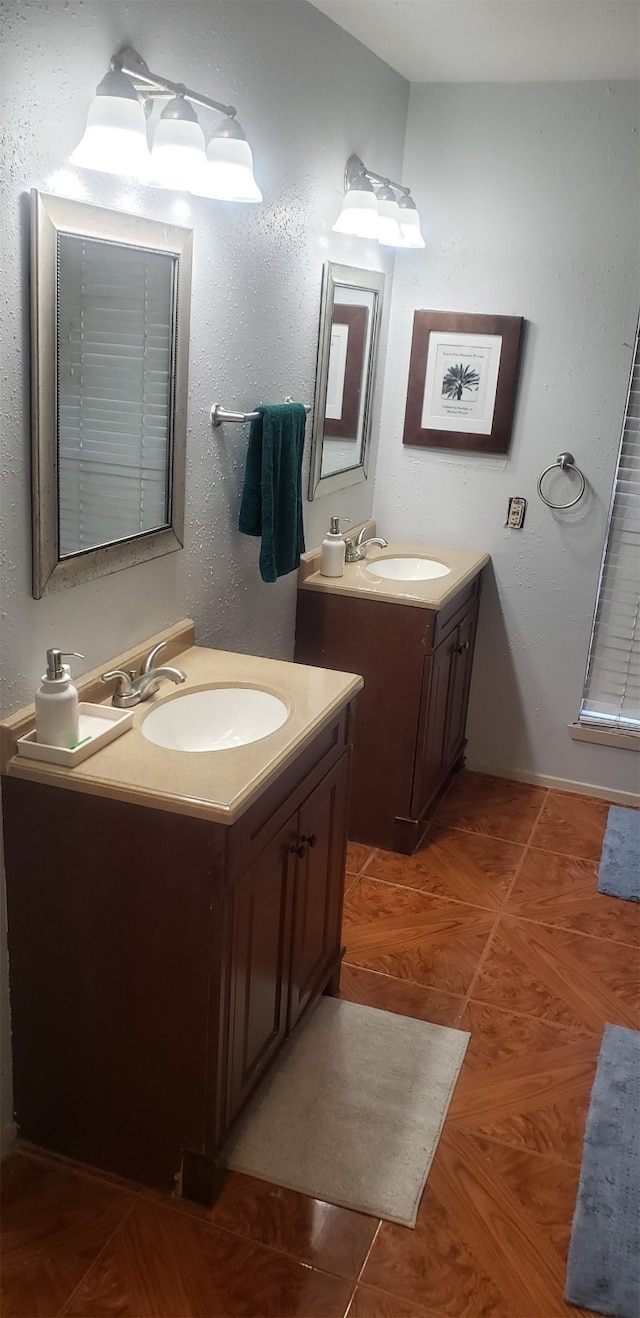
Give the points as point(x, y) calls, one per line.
point(355, 550)
point(132, 688)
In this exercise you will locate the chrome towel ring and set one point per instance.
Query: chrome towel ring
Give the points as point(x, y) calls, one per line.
point(564, 461)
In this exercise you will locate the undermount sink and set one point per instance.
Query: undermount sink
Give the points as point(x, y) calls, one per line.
point(408, 568)
point(214, 720)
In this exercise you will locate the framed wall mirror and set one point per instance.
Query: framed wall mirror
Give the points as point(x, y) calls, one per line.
point(350, 310)
point(110, 306)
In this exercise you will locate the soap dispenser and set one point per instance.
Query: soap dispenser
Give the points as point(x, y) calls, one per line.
point(56, 703)
point(332, 551)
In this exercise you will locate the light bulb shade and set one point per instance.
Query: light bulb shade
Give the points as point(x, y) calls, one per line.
point(409, 222)
point(228, 174)
point(115, 138)
point(177, 152)
point(410, 226)
point(359, 214)
point(389, 232)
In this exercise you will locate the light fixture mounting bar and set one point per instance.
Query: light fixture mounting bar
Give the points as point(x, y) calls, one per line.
point(127, 60)
point(356, 169)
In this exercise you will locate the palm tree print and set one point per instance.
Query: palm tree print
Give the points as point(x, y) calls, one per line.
point(457, 379)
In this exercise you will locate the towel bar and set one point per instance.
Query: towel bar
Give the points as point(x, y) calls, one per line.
point(220, 414)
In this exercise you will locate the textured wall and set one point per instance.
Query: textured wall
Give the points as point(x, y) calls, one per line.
point(530, 196)
point(307, 96)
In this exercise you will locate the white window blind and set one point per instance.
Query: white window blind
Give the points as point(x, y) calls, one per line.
point(611, 695)
point(115, 345)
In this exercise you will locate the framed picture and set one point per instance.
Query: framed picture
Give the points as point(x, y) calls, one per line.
point(462, 381)
point(346, 360)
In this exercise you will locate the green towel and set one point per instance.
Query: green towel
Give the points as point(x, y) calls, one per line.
point(271, 504)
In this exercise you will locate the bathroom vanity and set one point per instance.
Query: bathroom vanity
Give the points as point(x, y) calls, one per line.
point(413, 642)
point(171, 918)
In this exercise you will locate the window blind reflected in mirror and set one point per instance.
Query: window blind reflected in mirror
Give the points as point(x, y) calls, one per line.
point(115, 329)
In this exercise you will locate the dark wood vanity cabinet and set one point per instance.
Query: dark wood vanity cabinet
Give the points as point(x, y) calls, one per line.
point(409, 732)
point(159, 961)
point(287, 913)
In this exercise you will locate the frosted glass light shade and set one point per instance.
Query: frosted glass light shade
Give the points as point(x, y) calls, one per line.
point(228, 173)
point(389, 232)
point(359, 214)
point(177, 155)
point(115, 138)
point(410, 226)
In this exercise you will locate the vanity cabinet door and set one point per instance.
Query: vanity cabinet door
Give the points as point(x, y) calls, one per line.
point(260, 964)
point(443, 711)
point(460, 681)
point(318, 888)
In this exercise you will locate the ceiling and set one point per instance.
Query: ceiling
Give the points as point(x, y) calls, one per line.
point(496, 40)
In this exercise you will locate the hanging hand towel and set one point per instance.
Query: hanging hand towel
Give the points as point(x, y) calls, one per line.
point(271, 504)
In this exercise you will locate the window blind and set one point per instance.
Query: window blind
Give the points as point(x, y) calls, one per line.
point(115, 345)
point(611, 695)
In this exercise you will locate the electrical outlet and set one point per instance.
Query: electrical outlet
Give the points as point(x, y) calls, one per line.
point(516, 510)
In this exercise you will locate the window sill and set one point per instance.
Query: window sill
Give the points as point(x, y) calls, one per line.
point(614, 738)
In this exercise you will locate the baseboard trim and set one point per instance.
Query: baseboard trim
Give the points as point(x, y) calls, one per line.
point(558, 784)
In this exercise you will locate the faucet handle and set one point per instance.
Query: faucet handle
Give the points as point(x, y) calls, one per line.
point(148, 663)
point(123, 681)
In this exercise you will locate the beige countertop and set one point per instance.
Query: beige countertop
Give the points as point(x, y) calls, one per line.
point(361, 579)
point(214, 785)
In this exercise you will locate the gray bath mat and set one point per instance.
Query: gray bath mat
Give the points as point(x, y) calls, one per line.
point(603, 1269)
point(619, 873)
point(353, 1111)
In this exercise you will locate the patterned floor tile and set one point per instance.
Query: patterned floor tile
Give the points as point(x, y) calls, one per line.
point(563, 891)
point(466, 867)
point(496, 807)
point(372, 989)
point(491, 1235)
point(55, 1222)
point(163, 1264)
point(333, 1239)
point(357, 856)
point(572, 825)
point(412, 935)
point(525, 1082)
point(560, 975)
point(367, 1303)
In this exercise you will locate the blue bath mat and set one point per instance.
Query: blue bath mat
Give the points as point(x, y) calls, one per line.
point(603, 1269)
point(619, 873)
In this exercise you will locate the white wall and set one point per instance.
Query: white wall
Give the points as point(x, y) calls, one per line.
point(530, 197)
point(307, 96)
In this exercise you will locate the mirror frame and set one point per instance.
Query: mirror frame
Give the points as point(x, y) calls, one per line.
point(343, 276)
point(49, 216)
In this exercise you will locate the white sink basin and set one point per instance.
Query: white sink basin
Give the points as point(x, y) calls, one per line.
point(214, 720)
point(409, 568)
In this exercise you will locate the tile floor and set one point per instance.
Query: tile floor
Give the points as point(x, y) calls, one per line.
point(496, 926)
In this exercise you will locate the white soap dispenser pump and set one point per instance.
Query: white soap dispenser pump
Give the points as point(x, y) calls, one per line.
point(56, 702)
point(332, 551)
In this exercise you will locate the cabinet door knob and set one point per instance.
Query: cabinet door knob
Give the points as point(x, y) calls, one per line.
point(310, 838)
point(299, 848)
point(462, 649)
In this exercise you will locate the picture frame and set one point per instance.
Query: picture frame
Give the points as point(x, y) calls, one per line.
point(462, 381)
point(342, 409)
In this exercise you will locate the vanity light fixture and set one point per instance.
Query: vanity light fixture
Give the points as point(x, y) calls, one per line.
point(115, 138)
point(371, 210)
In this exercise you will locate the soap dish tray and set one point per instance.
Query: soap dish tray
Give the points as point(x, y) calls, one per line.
point(97, 726)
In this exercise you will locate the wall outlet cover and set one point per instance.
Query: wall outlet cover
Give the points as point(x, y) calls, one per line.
point(516, 510)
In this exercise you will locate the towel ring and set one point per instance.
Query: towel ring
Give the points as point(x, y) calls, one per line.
point(563, 461)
